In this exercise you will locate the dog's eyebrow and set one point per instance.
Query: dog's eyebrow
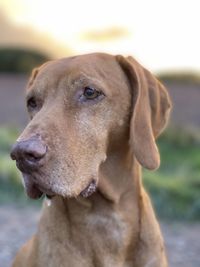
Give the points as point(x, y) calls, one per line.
point(29, 95)
point(84, 77)
point(86, 80)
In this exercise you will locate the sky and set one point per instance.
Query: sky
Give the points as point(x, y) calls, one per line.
point(161, 34)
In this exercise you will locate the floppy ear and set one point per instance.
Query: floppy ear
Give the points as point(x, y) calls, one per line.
point(33, 76)
point(151, 106)
point(35, 72)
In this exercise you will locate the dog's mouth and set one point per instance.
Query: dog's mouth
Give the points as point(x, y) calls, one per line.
point(35, 190)
point(90, 189)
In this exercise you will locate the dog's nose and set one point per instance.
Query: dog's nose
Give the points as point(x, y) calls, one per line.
point(28, 153)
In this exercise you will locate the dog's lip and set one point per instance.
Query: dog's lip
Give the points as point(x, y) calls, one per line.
point(47, 192)
point(90, 189)
point(33, 189)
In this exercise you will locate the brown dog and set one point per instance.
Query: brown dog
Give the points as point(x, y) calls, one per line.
point(94, 120)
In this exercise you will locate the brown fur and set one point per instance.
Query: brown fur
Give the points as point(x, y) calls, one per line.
point(107, 141)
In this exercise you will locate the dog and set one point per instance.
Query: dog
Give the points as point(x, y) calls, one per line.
point(94, 121)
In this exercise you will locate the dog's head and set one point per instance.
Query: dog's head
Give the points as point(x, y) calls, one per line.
point(79, 108)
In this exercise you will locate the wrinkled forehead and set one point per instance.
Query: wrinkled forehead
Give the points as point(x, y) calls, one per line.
point(95, 67)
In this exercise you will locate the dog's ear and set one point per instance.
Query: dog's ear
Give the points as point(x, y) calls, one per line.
point(35, 72)
point(151, 106)
point(33, 76)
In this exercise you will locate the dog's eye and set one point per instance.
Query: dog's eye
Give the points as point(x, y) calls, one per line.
point(91, 93)
point(31, 103)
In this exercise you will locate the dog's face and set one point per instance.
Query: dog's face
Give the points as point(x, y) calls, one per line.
point(75, 105)
point(79, 108)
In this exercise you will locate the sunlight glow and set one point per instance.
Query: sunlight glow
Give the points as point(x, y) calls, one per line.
point(162, 34)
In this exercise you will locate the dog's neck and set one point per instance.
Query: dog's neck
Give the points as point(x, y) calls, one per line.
point(119, 176)
point(118, 185)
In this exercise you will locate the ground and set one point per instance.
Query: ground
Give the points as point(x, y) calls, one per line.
point(18, 224)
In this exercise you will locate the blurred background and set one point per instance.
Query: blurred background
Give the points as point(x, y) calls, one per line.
point(164, 37)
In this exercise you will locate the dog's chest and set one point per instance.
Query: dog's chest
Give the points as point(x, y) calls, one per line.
point(107, 228)
point(110, 236)
point(93, 240)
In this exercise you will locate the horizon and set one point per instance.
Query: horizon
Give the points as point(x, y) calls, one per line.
point(161, 35)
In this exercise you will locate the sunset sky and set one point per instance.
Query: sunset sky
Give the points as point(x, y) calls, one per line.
point(163, 35)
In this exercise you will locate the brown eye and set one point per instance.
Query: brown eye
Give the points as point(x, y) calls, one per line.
point(31, 103)
point(91, 93)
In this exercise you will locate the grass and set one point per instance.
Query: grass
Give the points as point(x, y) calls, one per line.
point(174, 188)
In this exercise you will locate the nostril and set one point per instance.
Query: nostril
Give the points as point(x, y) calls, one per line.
point(34, 155)
point(31, 157)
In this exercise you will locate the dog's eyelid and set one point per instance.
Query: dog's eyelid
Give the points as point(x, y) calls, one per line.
point(33, 102)
point(91, 94)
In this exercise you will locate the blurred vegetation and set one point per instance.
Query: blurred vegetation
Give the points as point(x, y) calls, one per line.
point(180, 77)
point(174, 188)
point(14, 60)
point(10, 184)
point(11, 189)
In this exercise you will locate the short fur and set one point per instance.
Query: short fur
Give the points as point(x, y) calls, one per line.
point(105, 141)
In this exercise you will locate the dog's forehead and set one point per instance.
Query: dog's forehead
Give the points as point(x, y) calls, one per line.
point(97, 69)
point(97, 65)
